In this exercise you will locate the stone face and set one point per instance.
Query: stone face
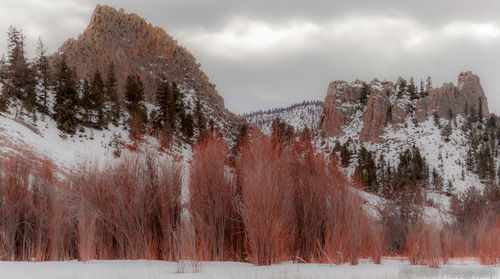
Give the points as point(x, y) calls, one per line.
point(386, 108)
point(453, 97)
point(375, 117)
point(398, 113)
point(331, 118)
point(137, 47)
point(336, 108)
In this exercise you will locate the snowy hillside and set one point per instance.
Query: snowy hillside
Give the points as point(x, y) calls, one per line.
point(41, 139)
point(299, 116)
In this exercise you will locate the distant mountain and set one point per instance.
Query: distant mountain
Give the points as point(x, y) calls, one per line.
point(299, 116)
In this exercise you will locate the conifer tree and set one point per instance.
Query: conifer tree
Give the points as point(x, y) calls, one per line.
point(345, 154)
point(367, 171)
point(199, 117)
point(85, 102)
point(66, 98)
point(163, 113)
point(412, 89)
point(44, 77)
point(97, 99)
point(112, 104)
point(16, 63)
point(422, 92)
point(30, 92)
point(428, 85)
point(134, 101)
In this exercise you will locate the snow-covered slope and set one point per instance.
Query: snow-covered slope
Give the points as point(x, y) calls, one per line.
point(299, 116)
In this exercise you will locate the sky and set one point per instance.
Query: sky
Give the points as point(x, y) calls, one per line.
point(263, 53)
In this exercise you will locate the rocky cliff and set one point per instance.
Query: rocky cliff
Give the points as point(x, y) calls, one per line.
point(395, 103)
point(137, 47)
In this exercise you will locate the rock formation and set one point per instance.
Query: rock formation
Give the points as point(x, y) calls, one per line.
point(137, 47)
point(337, 107)
point(468, 93)
point(384, 107)
point(375, 117)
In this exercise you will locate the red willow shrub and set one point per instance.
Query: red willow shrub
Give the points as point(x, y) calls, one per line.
point(213, 201)
point(488, 240)
point(266, 208)
point(30, 212)
point(129, 211)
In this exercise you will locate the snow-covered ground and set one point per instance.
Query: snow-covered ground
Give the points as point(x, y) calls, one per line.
point(390, 268)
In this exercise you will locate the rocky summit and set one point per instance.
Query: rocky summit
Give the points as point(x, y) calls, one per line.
point(137, 47)
point(387, 103)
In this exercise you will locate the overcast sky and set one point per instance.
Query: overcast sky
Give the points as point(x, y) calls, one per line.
point(264, 53)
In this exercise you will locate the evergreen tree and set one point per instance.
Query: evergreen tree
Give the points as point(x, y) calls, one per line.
point(163, 114)
point(85, 102)
point(402, 88)
point(199, 117)
point(66, 98)
point(345, 154)
point(281, 132)
point(447, 131)
point(112, 104)
point(428, 85)
point(134, 101)
point(97, 98)
point(367, 170)
point(44, 77)
point(422, 92)
point(30, 92)
point(412, 89)
point(187, 125)
point(17, 66)
point(492, 122)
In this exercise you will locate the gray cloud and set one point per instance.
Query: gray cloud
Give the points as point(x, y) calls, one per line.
point(268, 53)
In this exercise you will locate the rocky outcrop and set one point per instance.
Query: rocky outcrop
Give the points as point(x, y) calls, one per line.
point(455, 98)
point(137, 47)
point(386, 108)
point(399, 112)
point(375, 117)
point(337, 107)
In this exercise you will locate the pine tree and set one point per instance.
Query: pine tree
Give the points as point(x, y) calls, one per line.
point(17, 66)
point(112, 104)
point(345, 154)
point(66, 98)
point(428, 85)
point(44, 77)
point(134, 101)
point(85, 102)
point(447, 131)
point(97, 98)
point(30, 92)
point(412, 89)
point(422, 92)
point(367, 171)
point(402, 88)
point(199, 117)
point(492, 122)
point(162, 119)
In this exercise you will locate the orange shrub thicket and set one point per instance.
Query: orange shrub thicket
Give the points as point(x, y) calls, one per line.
point(213, 201)
point(271, 200)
